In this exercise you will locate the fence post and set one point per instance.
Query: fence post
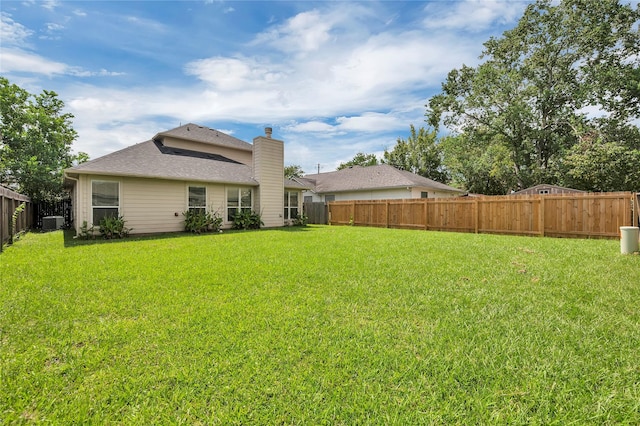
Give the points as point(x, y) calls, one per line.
point(386, 209)
point(542, 213)
point(353, 212)
point(635, 198)
point(1, 220)
point(426, 214)
point(477, 206)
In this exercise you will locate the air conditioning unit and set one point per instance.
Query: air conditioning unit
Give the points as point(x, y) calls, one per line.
point(51, 223)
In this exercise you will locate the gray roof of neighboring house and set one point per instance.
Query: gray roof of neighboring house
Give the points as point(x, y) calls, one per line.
point(195, 132)
point(382, 176)
point(147, 160)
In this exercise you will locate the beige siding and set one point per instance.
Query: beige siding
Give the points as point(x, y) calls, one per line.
point(241, 156)
point(417, 193)
point(382, 194)
point(147, 205)
point(150, 205)
point(268, 165)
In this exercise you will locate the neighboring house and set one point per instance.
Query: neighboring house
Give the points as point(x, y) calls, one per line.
point(152, 183)
point(379, 182)
point(545, 189)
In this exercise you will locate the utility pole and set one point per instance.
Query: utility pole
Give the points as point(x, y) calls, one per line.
point(318, 168)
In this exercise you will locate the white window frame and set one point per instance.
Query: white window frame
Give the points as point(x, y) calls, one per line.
point(288, 206)
point(240, 206)
point(93, 207)
point(203, 207)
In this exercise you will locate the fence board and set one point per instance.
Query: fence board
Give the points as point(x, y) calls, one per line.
point(581, 215)
point(9, 201)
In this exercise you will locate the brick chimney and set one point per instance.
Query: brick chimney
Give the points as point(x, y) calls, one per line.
point(268, 131)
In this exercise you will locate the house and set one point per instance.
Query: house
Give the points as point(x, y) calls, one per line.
point(152, 183)
point(372, 183)
point(546, 189)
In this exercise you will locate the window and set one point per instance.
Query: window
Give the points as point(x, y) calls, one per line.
point(329, 198)
point(424, 194)
point(290, 205)
point(543, 191)
point(197, 199)
point(105, 199)
point(238, 200)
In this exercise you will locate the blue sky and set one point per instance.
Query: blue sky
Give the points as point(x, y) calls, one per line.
point(332, 78)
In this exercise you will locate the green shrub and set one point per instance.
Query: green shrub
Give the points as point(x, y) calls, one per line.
point(113, 227)
point(198, 221)
point(301, 220)
point(86, 232)
point(247, 220)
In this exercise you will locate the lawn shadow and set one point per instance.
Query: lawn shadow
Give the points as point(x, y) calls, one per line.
point(70, 239)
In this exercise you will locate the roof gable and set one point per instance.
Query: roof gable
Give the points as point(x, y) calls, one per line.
point(206, 135)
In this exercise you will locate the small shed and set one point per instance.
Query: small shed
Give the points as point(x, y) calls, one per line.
point(546, 189)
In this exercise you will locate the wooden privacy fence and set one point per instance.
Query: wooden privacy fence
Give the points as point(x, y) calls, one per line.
point(9, 201)
point(581, 215)
point(316, 212)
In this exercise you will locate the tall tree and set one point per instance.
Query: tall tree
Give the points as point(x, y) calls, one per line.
point(36, 141)
point(293, 171)
point(530, 95)
point(360, 159)
point(478, 167)
point(420, 154)
point(585, 165)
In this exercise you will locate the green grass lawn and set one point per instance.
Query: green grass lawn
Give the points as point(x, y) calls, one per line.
point(319, 325)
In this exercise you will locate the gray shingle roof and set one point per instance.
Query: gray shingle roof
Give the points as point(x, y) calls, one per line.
point(199, 133)
point(146, 160)
point(382, 176)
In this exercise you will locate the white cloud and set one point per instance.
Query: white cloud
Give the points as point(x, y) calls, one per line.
point(304, 32)
point(373, 122)
point(472, 15)
point(310, 127)
point(310, 31)
point(52, 26)
point(79, 72)
point(16, 60)
point(12, 33)
point(51, 31)
point(144, 24)
point(372, 73)
point(406, 60)
point(98, 141)
point(369, 122)
point(231, 74)
point(21, 61)
point(50, 4)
